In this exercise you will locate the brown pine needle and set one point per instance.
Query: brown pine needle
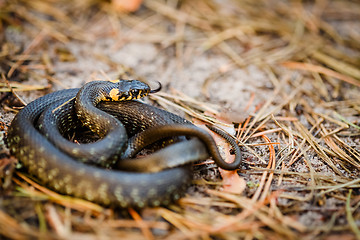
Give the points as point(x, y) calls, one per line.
point(350, 218)
point(322, 70)
point(144, 228)
point(271, 165)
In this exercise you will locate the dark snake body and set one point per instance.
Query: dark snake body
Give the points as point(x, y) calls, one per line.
point(62, 173)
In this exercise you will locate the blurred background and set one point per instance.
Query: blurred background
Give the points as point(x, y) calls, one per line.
point(282, 76)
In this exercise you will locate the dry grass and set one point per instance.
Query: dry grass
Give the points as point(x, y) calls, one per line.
point(301, 146)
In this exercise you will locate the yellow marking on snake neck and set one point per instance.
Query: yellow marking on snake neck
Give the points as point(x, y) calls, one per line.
point(139, 95)
point(114, 94)
point(115, 81)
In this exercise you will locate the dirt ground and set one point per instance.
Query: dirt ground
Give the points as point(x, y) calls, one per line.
point(281, 76)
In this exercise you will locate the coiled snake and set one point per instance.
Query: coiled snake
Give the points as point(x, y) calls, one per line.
point(34, 137)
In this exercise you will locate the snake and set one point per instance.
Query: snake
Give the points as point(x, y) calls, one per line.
point(109, 109)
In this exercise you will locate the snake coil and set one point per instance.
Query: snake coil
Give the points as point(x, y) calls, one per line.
point(35, 138)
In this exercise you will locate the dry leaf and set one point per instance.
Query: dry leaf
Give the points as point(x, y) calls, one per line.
point(126, 5)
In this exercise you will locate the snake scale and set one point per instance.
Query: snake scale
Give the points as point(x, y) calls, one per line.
point(34, 137)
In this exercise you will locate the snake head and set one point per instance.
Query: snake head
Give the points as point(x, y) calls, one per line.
point(129, 90)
